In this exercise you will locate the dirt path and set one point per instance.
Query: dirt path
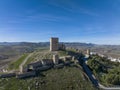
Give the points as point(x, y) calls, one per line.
point(23, 63)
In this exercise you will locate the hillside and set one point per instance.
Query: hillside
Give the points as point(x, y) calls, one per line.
point(67, 78)
point(106, 71)
point(11, 52)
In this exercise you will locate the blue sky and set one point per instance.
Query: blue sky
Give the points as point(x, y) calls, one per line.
point(91, 21)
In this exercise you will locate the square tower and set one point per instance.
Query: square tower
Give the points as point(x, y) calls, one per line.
point(54, 44)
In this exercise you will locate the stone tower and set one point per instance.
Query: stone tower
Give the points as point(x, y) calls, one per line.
point(54, 44)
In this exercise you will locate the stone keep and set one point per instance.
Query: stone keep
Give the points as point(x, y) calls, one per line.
point(54, 44)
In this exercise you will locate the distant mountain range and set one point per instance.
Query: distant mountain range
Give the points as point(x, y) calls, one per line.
point(47, 43)
point(75, 44)
point(24, 43)
point(108, 50)
point(9, 43)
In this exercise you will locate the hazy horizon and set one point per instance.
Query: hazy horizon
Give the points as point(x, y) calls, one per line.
point(88, 21)
point(60, 42)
